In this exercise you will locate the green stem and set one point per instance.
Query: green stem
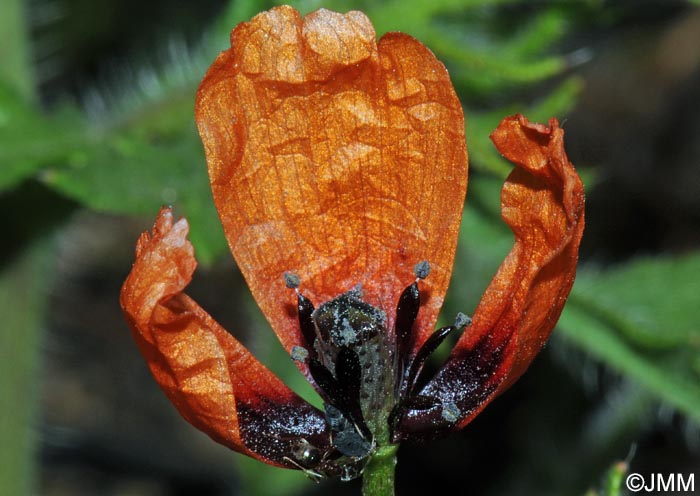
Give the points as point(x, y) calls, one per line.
point(378, 477)
point(23, 298)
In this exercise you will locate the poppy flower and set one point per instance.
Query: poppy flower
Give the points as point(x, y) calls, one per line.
point(338, 166)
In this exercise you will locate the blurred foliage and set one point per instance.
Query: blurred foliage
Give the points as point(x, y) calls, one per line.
point(131, 145)
point(16, 69)
point(22, 305)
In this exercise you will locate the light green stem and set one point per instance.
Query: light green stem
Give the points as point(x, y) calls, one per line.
point(23, 299)
point(378, 477)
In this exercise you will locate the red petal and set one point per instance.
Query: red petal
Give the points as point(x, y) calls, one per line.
point(543, 203)
point(215, 383)
point(333, 158)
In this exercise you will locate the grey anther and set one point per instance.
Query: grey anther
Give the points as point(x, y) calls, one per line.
point(462, 320)
point(422, 269)
point(450, 412)
point(299, 354)
point(291, 280)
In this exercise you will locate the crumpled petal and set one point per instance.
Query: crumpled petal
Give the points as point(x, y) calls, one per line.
point(214, 382)
point(543, 203)
point(335, 158)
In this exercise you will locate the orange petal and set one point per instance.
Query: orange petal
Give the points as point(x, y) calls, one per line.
point(543, 203)
point(335, 158)
point(215, 383)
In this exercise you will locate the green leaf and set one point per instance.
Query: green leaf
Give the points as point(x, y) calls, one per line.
point(486, 69)
point(557, 103)
point(536, 33)
point(30, 140)
point(466, 35)
point(672, 383)
point(15, 52)
point(483, 154)
point(652, 302)
point(129, 174)
point(641, 320)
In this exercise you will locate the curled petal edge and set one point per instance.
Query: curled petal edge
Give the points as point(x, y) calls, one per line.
point(543, 203)
point(213, 380)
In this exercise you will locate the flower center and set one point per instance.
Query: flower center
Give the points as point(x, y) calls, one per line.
point(353, 345)
point(362, 371)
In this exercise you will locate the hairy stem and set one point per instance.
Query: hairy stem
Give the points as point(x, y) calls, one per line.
point(378, 476)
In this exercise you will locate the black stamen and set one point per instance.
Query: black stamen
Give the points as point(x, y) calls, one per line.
point(406, 313)
point(430, 345)
point(326, 383)
point(306, 323)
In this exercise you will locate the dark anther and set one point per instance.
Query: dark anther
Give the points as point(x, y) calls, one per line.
point(431, 344)
point(326, 383)
point(306, 322)
point(422, 269)
point(291, 280)
point(408, 400)
point(305, 309)
point(406, 313)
